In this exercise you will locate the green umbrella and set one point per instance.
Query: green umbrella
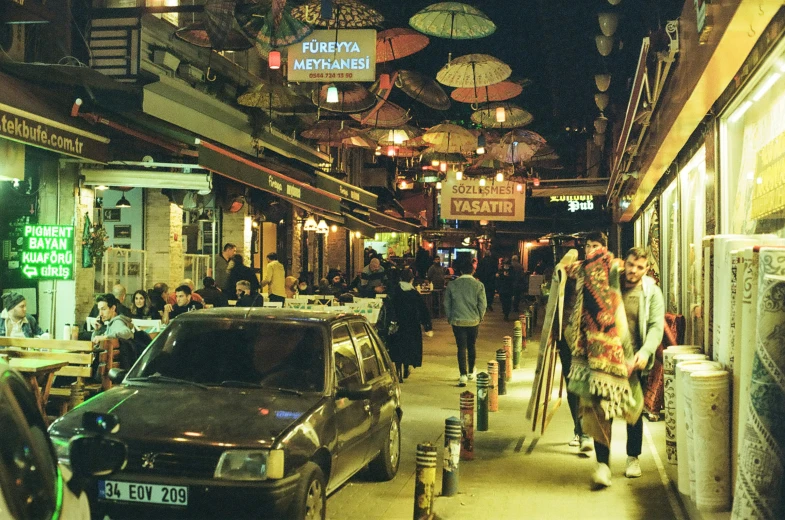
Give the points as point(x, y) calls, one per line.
point(346, 14)
point(453, 20)
point(272, 26)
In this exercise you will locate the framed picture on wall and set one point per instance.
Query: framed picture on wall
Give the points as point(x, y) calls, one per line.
point(122, 231)
point(133, 268)
point(112, 214)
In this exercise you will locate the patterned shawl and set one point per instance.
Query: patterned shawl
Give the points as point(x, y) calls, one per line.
point(599, 339)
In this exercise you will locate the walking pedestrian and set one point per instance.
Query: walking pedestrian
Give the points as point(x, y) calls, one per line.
point(486, 273)
point(405, 346)
point(221, 271)
point(239, 271)
point(505, 285)
point(464, 306)
point(519, 280)
point(275, 277)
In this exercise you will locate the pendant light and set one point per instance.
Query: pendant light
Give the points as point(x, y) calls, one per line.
point(332, 94)
point(609, 21)
point(310, 224)
point(322, 228)
point(458, 175)
point(603, 81)
point(482, 181)
point(604, 44)
point(384, 82)
point(499, 177)
point(439, 185)
point(481, 144)
point(123, 202)
point(501, 116)
point(274, 60)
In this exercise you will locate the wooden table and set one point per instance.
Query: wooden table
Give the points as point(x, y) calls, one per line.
point(38, 372)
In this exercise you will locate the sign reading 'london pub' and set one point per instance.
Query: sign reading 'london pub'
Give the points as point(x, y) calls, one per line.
point(467, 200)
point(331, 56)
point(48, 252)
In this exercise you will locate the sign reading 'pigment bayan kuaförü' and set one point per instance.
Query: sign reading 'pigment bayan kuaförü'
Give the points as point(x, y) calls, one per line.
point(342, 55)
point(467, 200)
point(48, 252)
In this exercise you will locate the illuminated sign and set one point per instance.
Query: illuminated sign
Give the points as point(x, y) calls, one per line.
point(468, 200)
point(768, 197)
point(575, 202)
point(341, 55)
point(48, 252)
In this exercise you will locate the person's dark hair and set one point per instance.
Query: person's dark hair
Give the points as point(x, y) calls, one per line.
point(638, 253)
point(272, 256)
point(160, 287)
point(108, 298)
point(183, 289)
point(464, 265)
point(228, 246)
point(598, 236)
point(238, 259)
point(407, 275)
point(208, 281)
point(144, 310)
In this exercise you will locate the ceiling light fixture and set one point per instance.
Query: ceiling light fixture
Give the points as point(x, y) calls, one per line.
point(609, 21)
point(603, 81)
point(439, 185)
point(604, 44)
point(357, 234)
point(459, 175)
point(519, 187)
point(310, 224)
point(501, 115)
point(322, 228)
point(482, 181)
point(123, 202)
point(333, 228)
point(434, 163)
point(442, 166)
point(332, 94)
point(499, 177)
point(481, 144)
point(601, 100)
point(274, 60)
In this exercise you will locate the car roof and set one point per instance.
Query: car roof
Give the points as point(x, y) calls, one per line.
point(269, 314)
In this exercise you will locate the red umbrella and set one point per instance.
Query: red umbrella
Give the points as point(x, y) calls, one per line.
point(397, 43)
point(497, 92)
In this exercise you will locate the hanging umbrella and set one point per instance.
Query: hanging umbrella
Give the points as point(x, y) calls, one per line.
point(268, 96)
point(219, 30)
point(395, 136)
point(447, 137)
point(453, 20)
point(389, 115)
point(347, 14)
point(501, 91)
point(352, 98)
point(423, 89)
point(272, 26)
point(397, 43)
point(517, 146)
point(329, 130)
point(546, 158)
point(429, 155)
point(361, 140)
point(417, 142)
point(515, 116)
point(473, 70)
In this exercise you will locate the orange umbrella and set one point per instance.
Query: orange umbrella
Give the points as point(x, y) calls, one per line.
point(399, 42)
point(497, 92)
point(329, 130)
point(352, 97)
point(389, 115)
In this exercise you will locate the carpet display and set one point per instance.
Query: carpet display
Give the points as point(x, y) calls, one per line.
point(760, 484)
point(708, 294)
point(654, 396)
point(710, 391)
point(669, 397)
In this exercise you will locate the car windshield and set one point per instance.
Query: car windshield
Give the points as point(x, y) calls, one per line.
point(236, 353)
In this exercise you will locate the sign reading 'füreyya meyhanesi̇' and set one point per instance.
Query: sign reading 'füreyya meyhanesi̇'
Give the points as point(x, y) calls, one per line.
point(468, 200)
point(48, 252)
point(342, 55)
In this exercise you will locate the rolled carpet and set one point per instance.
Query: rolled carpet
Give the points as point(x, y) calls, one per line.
point(670, 395)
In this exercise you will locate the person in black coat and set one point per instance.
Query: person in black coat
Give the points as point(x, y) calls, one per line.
point(239, 271)
point(405, 345)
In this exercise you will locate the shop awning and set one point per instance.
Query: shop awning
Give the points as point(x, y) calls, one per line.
point(247, 172)
point(355, 224)
point(346, 191)
point(148, 179)
point(386, 221)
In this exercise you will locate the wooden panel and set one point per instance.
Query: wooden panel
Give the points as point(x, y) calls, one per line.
point(49, 344)
point(76, 359)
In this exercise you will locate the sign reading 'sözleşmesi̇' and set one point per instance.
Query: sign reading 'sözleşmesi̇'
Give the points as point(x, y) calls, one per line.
point(328, 55)
point(48, 252)
point(467, 200)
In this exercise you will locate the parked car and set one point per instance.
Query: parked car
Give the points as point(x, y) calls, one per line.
point(253, 412)
point(33, 486)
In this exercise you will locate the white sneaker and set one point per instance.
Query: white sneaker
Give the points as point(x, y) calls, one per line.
point(462, 381)
point(602, 475)
point(575, 442)
point(587, 443)
point(470, 376)
point(633, 468)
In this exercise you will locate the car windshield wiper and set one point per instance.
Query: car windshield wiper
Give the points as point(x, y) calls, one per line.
point(240, 384)
point(288, 391)
point(158, 378)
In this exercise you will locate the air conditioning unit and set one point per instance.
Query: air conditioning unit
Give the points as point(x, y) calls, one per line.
point(190, 73)
point(166, 59)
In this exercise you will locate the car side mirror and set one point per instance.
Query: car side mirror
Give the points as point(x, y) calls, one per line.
point(354, 392)
point(94, 455)
point(116, 375)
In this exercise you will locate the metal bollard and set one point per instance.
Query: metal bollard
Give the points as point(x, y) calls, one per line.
point(482, 402)
point(508, 365)
point(493, 391)
point(425, 481)
point(467, 425)
point(501, 359)
point(452, 455)
point(517, 344)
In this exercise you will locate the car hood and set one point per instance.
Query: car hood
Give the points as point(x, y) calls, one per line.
point(217, 416)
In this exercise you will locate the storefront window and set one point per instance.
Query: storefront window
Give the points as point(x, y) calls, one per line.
point(752, 143)
point(693, 215)
point(670, 251)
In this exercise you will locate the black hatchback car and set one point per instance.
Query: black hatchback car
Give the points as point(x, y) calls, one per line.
point(236, 413)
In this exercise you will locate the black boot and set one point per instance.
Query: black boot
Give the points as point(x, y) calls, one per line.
point(406, 372)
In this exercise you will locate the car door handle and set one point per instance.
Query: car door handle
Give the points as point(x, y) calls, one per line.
point(367, 406)
point(391, 392)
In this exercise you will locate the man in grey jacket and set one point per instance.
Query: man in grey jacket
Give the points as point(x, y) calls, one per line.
point(110, 323)
point(464, 306)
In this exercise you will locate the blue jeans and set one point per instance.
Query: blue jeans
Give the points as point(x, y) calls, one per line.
point(466, 338)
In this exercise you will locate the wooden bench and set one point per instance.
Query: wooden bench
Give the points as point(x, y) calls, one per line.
point(78, 354)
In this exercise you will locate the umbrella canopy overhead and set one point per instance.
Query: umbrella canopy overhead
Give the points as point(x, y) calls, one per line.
point(347, 14)
point(473, 70)
point(518, 146)
point(219, 30)
point(272, 26)
point(397, 43)
point(269, 97)
point(423, 89)
point(515, 116)
point(449, 138)
point(453, 20)
point(429, 155)
point(388, 115)
point(501, 91)
point(395, 136)
point(330, 130)
point(352, 98)
point(361, 140)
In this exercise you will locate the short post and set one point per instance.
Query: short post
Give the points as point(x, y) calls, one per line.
point(508, 365)
point(452, 455)
point(425, 481)
point(467, 425)
point(493, 390)
point(517, 344)
point(482, 402)
point(501, 359)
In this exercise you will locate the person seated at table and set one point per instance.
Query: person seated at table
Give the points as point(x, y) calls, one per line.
point(142, 308)
point(290, 286)
point(303, 288)
point(435, 274)
point(159, 296)
point(211, 294)
point(14, 320)
point(246, 297)
point(110, 324)
point(118, 291)
point(195, 296)
point(324, 287)
point(337, 285)
point(184, 304)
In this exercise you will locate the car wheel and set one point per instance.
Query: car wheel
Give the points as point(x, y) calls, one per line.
point(385, 465)
point(310, 502)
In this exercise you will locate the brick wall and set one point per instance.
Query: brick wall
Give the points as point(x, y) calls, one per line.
point(84, 277)
point(335, 250)
point(233, 231)
point(163, 221)
point(296, 245)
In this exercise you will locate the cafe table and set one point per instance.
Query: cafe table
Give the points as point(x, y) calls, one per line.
point(39, 373)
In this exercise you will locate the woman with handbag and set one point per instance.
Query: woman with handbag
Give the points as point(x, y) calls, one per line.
point(405, 345)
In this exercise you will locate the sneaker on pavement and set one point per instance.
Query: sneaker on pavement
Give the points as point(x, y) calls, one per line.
point(462, 380)
point(470, 376)
point(587, 443)
point(633, 468)
point(576, 441)
point(602, 475)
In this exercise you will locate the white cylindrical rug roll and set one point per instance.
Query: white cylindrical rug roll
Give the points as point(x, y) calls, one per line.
point(710, 392)
point(670, 395)
point(683, 419)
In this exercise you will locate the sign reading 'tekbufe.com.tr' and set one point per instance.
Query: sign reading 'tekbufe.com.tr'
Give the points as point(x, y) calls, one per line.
point(342, 55)
point(467, 200)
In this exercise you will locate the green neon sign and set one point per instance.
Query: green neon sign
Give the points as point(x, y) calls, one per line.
point(48, 252)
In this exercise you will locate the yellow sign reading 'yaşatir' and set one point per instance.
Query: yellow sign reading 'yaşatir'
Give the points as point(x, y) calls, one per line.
point(342, 55)
point(467, 200)
point(769, 192)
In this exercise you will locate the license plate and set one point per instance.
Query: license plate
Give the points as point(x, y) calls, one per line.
point(146, 493)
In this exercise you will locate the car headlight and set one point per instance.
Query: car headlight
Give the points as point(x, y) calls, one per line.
point(250, 465)
point(63, 450)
